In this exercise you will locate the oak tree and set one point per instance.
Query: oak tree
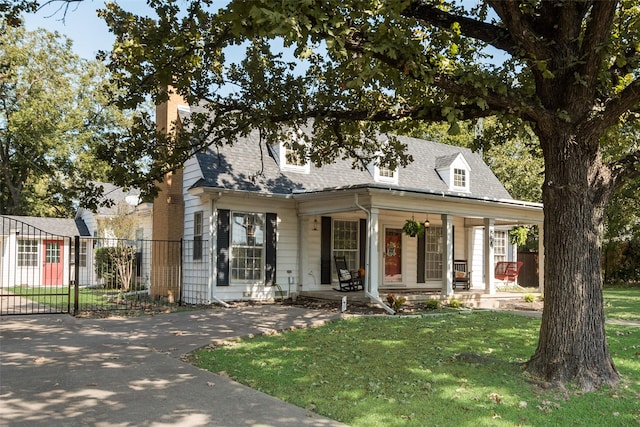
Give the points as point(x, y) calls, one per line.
point(568, 69)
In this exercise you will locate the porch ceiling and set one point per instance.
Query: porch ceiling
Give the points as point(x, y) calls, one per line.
point(505, 212)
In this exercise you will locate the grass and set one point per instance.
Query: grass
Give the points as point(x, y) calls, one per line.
point(42, 294)
point(88, 298)
point(462, 370)
point(622, 303)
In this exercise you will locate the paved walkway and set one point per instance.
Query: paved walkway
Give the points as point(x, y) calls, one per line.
point(57, 370)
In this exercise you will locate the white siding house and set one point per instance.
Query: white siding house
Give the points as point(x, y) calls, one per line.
point(253, 221)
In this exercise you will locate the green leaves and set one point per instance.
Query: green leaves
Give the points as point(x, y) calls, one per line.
point(52, 115)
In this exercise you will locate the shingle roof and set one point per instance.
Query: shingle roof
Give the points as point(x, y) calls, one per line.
point(118, 196)
point(243, 167)
point(61, 227)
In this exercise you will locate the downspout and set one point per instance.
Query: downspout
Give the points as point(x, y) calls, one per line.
point(213, 250)
point(367, 257)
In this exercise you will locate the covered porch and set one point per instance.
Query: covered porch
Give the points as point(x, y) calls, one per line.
point(459, 227)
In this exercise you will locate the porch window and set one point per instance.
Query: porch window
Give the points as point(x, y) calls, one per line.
point(500, 246)
point(197, 236)
point(433, 253)
point(247, 247)
point(27, 253)
point(345, 241)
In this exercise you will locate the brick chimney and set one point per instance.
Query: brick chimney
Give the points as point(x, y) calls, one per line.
point(168, 215)
point(168, 207)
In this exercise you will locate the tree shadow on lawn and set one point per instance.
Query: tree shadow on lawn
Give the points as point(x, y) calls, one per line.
point(452, 370)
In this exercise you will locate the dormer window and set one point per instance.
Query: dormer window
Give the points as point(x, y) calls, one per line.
point(291, 160)
point(460, 178)
point(454, 171)
point(386, 175)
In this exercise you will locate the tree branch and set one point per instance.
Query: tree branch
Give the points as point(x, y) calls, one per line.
point(488, 33)
point(625, 169)
point(595, 37)
point(627, 100)
point(520, 30)
point(504, 103)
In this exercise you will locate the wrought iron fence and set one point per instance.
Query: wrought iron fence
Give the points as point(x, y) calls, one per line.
point(45, 273)
point(34, 269)
point(140, 274)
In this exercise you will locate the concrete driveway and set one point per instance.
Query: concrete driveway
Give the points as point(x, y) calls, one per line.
point(57, 370)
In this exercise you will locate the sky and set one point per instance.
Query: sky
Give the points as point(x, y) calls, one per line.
point(81, 24)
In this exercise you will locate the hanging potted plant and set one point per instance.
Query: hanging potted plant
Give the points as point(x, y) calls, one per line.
point(413, 228)
point(518, 235)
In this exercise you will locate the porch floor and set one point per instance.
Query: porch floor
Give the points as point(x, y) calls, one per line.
point(475, 298)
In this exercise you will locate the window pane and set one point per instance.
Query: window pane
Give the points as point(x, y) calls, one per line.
point(52, 254)
point(27, 253)
point(459, 178)
point(247, 241)
point(345, 242)
point(433, 248)
point(500, 246)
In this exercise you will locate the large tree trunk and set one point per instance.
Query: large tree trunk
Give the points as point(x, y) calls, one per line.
point(572, 347)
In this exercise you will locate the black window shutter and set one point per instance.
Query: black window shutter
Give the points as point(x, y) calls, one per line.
point(422, 252)
point(325, 250)
point(224, 218)
point(270, 249)
point(363, 243)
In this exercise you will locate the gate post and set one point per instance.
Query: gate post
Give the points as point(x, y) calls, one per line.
point(76, 282)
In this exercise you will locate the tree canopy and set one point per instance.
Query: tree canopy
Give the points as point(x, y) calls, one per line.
point(52, 114)
point(567, 69)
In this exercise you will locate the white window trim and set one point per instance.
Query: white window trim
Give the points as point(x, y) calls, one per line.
point(286, 166)
point(377, 177)
point(232, 246)
point(198, 236)
point(464, 187)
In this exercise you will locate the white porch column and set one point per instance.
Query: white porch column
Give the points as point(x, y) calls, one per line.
point(447, 255)
point(541, 258)
point(372, 270)
point(489, 277)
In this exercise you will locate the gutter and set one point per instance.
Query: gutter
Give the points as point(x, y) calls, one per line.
point(367, 257)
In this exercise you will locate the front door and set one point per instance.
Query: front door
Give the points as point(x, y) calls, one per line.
point(392, 255)
point(53, 262)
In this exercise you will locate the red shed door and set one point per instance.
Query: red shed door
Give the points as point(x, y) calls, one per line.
point(53, 262)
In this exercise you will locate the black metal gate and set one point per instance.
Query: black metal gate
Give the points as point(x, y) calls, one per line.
point(35, 268)
point(44, 273)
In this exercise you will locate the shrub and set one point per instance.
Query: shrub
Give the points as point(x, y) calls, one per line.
point(432, 304)
point(529, 298)
point(454, 303)
point(396, 302)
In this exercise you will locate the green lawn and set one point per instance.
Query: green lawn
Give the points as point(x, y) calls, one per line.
point(451, 370)
point(87, 297)
point(622, 303)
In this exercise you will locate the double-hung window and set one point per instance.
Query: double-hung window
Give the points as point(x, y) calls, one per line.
point(197, 236)
point(433, 249)
point(247, 247)
point(345, 241)
point(500, 246)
